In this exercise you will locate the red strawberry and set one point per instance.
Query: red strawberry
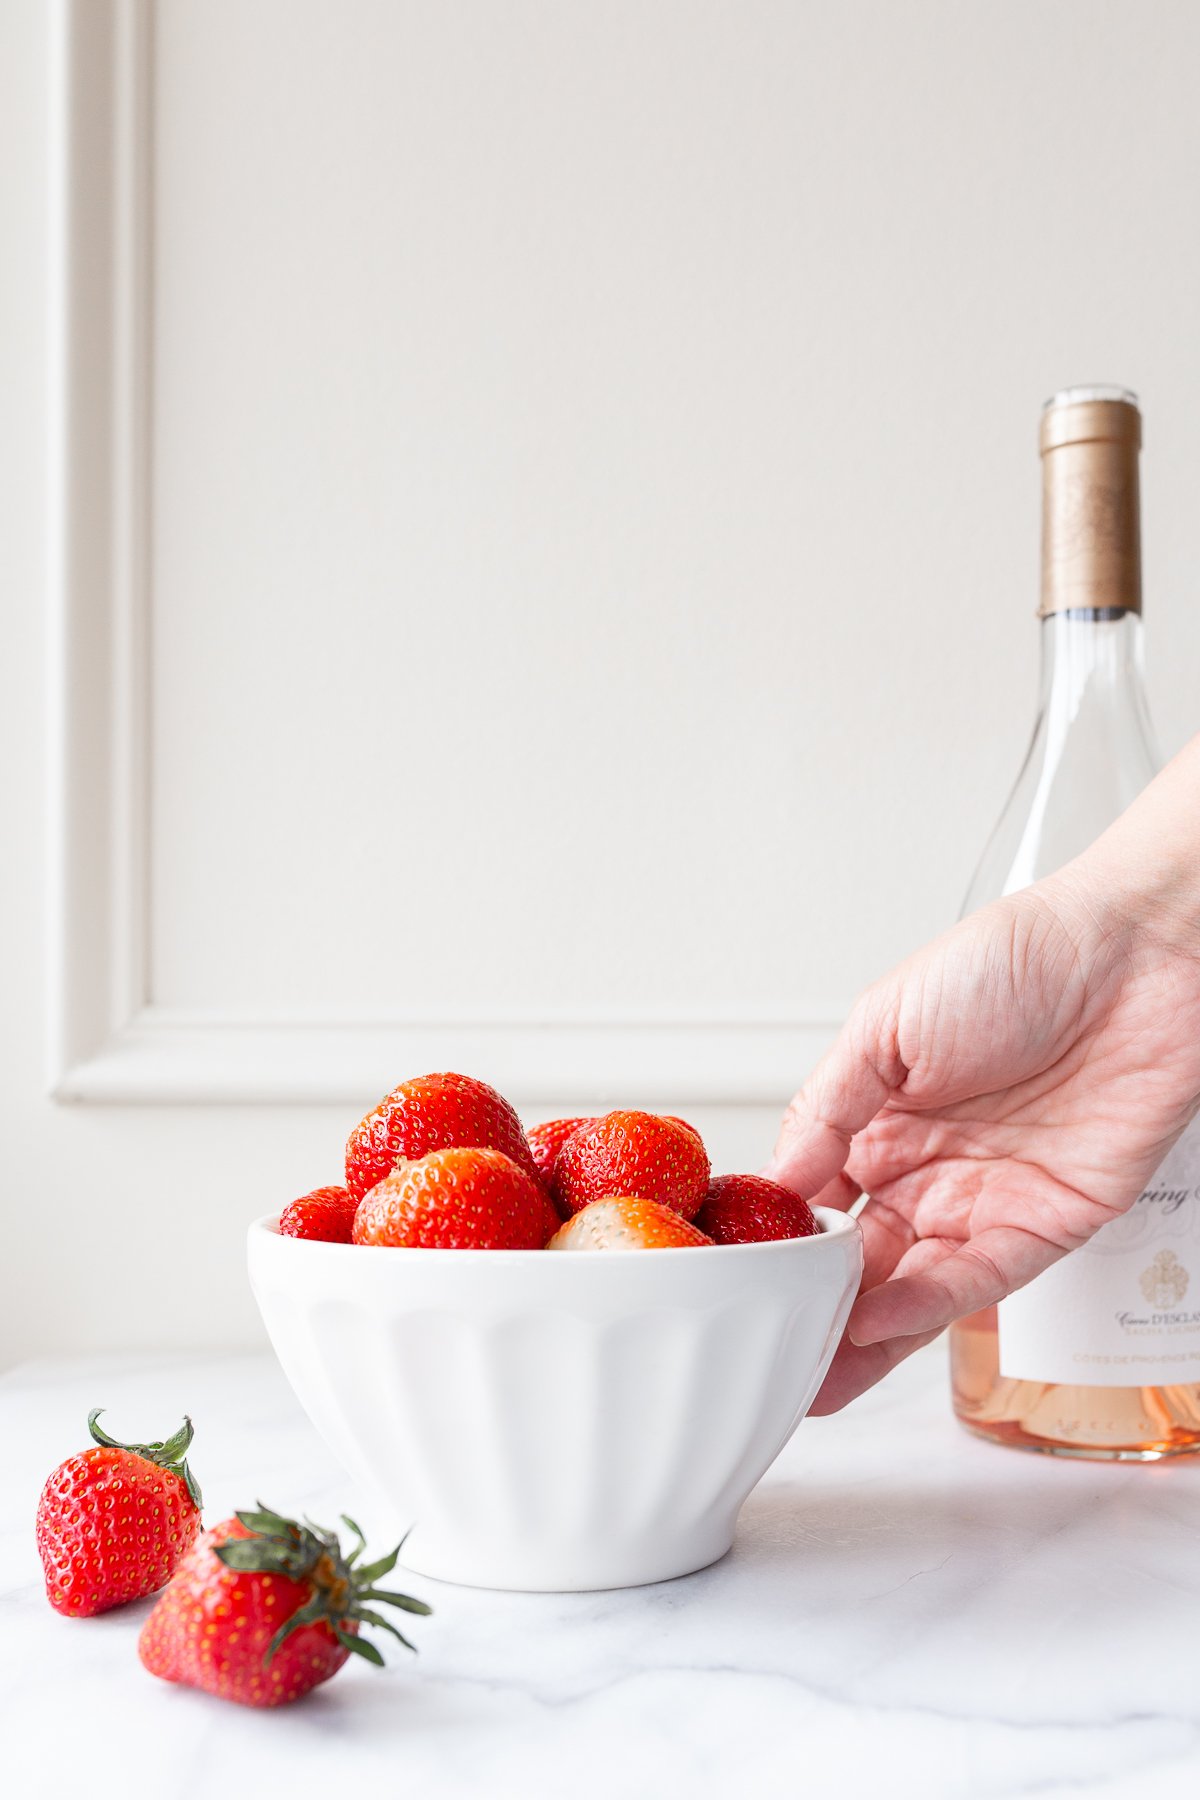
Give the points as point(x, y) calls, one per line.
point(457, 1200)
point(678, 1121)
point(749, 1209)
point(432, 1112)
point(623, 1222)
point(632, 1153)
point(263, 1609)
point(327, 1214)
point(547, 1140)
point(114, 1522)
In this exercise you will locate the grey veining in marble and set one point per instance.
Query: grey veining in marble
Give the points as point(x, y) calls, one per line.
point(907, 1613)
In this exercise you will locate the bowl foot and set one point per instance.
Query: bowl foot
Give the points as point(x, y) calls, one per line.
point(540, 1569)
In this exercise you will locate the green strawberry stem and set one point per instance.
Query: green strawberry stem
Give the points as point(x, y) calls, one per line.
point(170, 1454)
point(342, 1594)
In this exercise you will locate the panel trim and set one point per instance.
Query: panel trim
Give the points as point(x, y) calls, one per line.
point(106, 1042)
point(97, 555)
point(159, 1058)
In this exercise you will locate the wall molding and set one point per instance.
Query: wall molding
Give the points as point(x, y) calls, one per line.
point(107, 1042)
point(97, 555)
point(180, 1059)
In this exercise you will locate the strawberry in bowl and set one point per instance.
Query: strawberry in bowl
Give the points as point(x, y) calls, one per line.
point(626, 1222)
point(433, 1112)
point(547, 1139)
point(456, 1199)
point(749, 1209)
point(638, 1153)
point(327, 1214)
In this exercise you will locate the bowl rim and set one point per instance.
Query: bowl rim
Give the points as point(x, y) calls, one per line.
point(834, 1225)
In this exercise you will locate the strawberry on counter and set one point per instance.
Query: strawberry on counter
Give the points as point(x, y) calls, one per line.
point(115, 1521)
point(264, 1609)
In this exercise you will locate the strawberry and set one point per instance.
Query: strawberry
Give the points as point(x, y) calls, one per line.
point(457, 1199)
point(114, 1522)
point(632, 1153)
point(263, 1609)
point(432, 1112)
point(749, 1209)
point(624, 1222)
point(675, 1120)
point(547, 1140)
point(327, 1214)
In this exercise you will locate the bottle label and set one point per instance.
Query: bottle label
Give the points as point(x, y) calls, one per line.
point(1124, 1309)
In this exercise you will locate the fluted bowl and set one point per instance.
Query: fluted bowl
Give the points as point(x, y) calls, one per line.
point(552, 1421)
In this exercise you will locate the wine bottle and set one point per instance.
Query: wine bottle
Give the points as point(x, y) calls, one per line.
point(1100, 1355)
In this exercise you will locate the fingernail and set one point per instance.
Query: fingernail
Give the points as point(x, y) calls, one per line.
point(858, 1330)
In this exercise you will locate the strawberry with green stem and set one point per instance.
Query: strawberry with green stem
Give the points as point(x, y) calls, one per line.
point(266, 1608)
point(115, 1521)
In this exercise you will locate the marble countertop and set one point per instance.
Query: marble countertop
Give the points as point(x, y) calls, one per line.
point(907, 1613)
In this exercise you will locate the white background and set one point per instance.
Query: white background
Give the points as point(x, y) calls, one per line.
point(594, 521)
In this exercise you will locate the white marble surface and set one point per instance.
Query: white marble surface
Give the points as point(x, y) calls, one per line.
point(906, 1613)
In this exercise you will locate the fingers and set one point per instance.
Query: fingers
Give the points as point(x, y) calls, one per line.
point(888, 1238)
point(844, 1092)
point(854, 1369)
point(962, 1280)
point(888, 1241)
point(840, 1193)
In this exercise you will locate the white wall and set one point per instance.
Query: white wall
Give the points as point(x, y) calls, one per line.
point(593, 521)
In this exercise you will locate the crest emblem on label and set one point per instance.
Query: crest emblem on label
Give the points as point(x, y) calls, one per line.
point(1165, 1281)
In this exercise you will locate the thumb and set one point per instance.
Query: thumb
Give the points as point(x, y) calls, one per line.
point(850, 1084)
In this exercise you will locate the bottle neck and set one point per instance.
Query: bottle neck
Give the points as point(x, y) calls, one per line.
point(1093, 671)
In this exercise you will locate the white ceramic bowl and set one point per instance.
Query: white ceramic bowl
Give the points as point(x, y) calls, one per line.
point(547, 1421)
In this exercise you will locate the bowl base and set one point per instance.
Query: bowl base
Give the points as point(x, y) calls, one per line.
point(527, 1571)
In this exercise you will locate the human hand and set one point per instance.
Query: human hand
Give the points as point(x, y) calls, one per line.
point(1000, 1096)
